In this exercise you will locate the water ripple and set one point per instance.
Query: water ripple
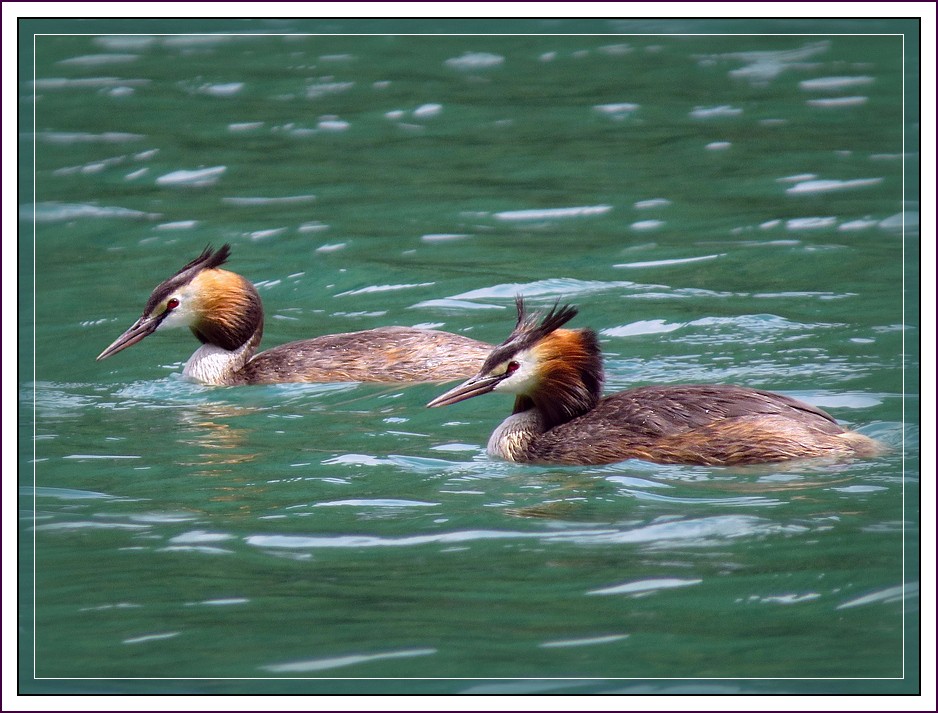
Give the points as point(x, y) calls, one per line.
point(54, 212)
point(751, 501)
point(552, 213)
point(884, 596)
point(566, 643)
point(830, 185)
point(549, 288)
point(375, 502)
point(474, 61)
point(688, 532)
point(669, 263)
point(829, 83)
point(646, 586)
point(340, 661)
point(107, 137)
point(89, 525)
point(193, 177)
point(151, 637)
point(66, 494)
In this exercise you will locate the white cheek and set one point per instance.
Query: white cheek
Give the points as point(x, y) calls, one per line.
point(182, 316)
point(523, 380)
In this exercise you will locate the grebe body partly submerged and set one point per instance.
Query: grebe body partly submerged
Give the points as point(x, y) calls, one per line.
point(225, 313)
point(560, 417)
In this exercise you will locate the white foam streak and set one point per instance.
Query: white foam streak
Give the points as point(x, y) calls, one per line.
point(829, 83)
point(474, 61)
point(646, 586)
point(829, 185)
point(837, 102)
point(340, 661)
point(552, 213)
point(53, 212)
point(94, 60)
point(383, 288)
point(715, 112)
point(264, 200)
point(884, 596)
point(67, 137)
point(87, 83)
point(668, 263)
point(195, 177)
point(685, 532)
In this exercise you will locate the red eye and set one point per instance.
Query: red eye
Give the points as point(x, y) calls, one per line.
point(512, 367)
point(172, 304)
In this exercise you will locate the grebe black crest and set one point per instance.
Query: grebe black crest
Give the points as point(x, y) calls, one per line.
point(224, 311)
point(561, 417)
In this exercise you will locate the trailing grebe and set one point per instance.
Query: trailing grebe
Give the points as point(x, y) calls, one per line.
point(224, 312)
point(559, 416)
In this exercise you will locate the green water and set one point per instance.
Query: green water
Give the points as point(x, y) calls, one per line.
point(721, 208)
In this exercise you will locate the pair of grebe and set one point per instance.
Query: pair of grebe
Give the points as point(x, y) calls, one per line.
point(556, 375)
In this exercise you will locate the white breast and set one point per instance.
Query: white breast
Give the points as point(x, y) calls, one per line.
point(210, 364)
point(511, 438)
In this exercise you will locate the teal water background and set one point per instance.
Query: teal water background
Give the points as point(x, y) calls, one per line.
point(722, 208)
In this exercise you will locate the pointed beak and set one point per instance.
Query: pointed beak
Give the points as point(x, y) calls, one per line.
point(143, 327)
point(479, 384)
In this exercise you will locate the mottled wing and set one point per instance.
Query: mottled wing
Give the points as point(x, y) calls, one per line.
point(716, 425)
point(388, 354)
point(670, 410)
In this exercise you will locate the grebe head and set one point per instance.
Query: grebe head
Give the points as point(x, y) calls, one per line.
point(558, 371)
point(220, 307)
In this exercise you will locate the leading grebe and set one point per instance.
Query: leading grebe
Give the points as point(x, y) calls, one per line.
point(224, 312)
point(560, 417)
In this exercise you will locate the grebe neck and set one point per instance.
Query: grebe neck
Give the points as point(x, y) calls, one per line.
point(566, 389)
point(229, 321)
point(215, 365)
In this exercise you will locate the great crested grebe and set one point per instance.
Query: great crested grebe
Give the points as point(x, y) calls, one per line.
point(559, 415)
point(224, 312)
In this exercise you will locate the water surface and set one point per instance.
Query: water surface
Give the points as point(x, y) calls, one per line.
point(721, 209)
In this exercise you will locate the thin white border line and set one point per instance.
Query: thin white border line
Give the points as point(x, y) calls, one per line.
point(901, 35)
point(454, 678)
point(35, 423)
point(902, 209)
point(468, 34)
